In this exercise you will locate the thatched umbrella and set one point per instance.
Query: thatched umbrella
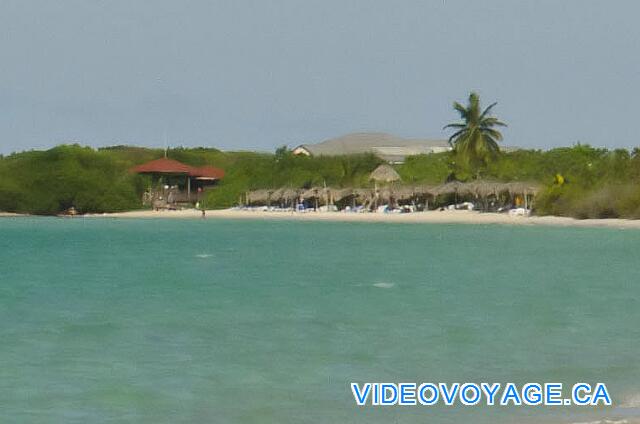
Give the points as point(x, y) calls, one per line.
point(259, 196)
point(385, 194)
point(340, 193)
point(424, 190)
point(452, 187)
point(334, 194)
point(310, 193)
point(285, 195)
point(492, 188)
point(448, 188)
point(276, 195)
point(344, 194)
point(522, 187)
point(351, 195)
point(316, 193)
point(466, 189)
point(482, 188)
point(404, 193)
point(362, 195)
point(384, 174)
point(525, 189)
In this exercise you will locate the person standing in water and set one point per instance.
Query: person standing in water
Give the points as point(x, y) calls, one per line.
point(200, 205)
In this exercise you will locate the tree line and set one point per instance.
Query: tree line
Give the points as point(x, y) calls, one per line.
point(579, 181)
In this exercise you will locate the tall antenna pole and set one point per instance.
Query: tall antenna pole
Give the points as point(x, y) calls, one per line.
point(166, 146)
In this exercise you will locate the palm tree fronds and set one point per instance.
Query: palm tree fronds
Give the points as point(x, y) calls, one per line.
point(455, 125)
point(487, 110)
point(461, 109)
point(494, 134)
point(491, 121)
point(456, 134)
point(475, 139)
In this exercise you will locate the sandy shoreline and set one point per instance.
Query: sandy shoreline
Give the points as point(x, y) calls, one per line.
point(431, 217)
point(9, 214)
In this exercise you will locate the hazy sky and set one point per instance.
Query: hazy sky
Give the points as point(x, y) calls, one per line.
point(258, 74)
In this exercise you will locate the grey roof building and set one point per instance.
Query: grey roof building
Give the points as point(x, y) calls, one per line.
point(389, 147)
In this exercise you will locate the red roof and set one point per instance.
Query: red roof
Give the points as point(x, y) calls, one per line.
point(162, 166)
point(170, 166)
point(207, 172)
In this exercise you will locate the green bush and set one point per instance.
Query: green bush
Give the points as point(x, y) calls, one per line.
point(598, 183)
point(52, 181)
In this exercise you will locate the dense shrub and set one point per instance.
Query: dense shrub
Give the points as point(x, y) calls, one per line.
point(49, 182)
point(579, 181)
point(52, 181)
point(608, 201)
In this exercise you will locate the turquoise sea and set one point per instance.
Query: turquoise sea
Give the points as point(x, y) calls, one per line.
point(214, 321)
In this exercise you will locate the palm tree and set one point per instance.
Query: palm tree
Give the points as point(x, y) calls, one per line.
point(476, 139)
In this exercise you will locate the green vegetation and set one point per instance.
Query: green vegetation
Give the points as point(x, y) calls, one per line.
point(49, 182)
point(250, 171)
point(54, 180)
point(579, 181)
point(476, 139)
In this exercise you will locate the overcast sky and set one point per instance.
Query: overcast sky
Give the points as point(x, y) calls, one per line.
point(258, 74)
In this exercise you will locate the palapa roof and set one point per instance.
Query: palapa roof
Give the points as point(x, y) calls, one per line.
point(262, 195)
point(315, 192)
point(341, 193)
point(286, 194)
point(404, 193)
point(422, 190)
point(384, 173)
point(447, 188)
point(170, 166)
point(522, 187)
point(482, 188)
point(479, 188)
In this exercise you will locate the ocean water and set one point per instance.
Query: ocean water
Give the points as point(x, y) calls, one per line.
point(212, 321)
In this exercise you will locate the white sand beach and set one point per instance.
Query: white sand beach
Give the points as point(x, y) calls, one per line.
point(9, 214)
point(433, 217)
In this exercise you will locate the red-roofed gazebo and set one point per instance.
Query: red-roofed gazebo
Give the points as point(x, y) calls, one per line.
point(166, 171)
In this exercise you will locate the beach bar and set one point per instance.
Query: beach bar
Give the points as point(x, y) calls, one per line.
point(176, 183)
